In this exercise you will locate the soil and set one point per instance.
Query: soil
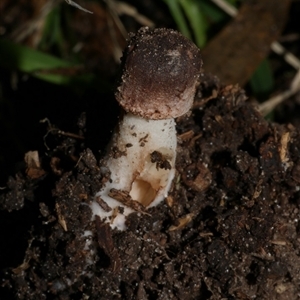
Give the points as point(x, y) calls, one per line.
point(229, 228)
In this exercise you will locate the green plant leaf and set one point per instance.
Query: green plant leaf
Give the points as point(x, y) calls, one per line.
point(262, 81)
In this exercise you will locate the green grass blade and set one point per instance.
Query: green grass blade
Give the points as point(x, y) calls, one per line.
point(36, 63)
point(196, 19)
point(52, 29)
point(178, 16)
point(212, 12)
point(233, 2)
point(25, 59)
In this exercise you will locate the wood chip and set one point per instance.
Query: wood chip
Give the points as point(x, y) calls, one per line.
point(258, 189)
point(124, 198)
point(206, 234)
point(185, 136)
point(263, 255)
point(279, 242)
point(103, 204)
point(285, 138)
point(194, 139)
point(170, 201)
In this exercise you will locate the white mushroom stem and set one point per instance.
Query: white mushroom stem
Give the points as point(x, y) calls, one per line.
point(141, 162)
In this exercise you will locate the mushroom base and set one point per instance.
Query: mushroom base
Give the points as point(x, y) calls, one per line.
point(141, 163)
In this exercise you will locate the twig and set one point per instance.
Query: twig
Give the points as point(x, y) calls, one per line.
point(225, 6)
point(115, 16)
point(289, 57)
point(111, 19)
point(267, 106)
point(129, 10)
point(295, 85)
point(74, 4)
point(54, 130)
point(68, 134)
point(276, 47)
point(117, 8)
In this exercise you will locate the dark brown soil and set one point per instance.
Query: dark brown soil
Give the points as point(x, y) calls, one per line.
point(228, 230)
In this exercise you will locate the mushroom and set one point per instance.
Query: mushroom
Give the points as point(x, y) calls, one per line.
point(161, 70)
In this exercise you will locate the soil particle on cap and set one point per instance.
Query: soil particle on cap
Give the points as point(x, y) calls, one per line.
point(229, 228)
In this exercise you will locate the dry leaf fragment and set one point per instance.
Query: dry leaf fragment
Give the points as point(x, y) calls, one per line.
point(198, 177)
point(246, 40)
point(61, 219)
point(34, 169)
point(182, 222)
point(105, 241)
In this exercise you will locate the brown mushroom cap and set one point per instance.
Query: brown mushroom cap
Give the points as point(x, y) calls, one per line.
point(161, 70)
